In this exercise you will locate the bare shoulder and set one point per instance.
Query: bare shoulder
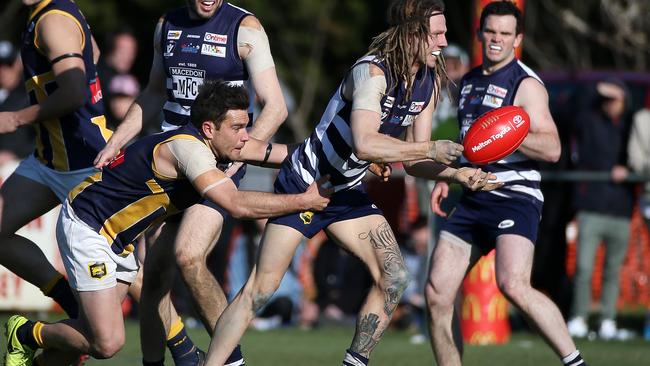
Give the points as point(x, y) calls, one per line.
point(251, 21)
point(375, 70)
point(531, 90)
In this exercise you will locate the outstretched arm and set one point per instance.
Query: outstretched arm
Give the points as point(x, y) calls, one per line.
point(57, 35)
point(368, 84)
point(543, 141)
point(146, 107)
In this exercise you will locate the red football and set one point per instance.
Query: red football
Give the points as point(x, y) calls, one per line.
point(496, 134)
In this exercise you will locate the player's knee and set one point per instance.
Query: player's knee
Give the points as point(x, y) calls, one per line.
point(512, 288)
point(396, 282)
point(436, 296)
point(107, 347)
point(259, 299)
point(189, 260)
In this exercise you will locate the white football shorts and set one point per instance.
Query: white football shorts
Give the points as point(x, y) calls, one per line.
point(88, 259)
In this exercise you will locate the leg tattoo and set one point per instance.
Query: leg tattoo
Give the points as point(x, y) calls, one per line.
point(364, 339)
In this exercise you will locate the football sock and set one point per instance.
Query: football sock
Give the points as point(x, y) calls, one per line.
point(574, 359)
point(156, 363)
point(236, 357)
point(354, 359)
point(180, 345)
point(59, 290)
point(29, 334)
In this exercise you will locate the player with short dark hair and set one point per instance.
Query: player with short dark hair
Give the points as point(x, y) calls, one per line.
point(506, 218)
point(153, 178)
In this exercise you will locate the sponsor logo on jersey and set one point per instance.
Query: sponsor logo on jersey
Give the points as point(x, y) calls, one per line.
point(212, 50)
point(416, 107)
point(95, 91)
point(186, 82)
point(506, 224)
point(408, 120)
point(198, 36)
point(466, 89)
point(492, 101)
point(190, 48)
point(497, 90)
point(174, 34)
point(306, 217)
point(474, 100)
point(461, 103)
point(97, 270)
point(215, 38)
point(390, 101)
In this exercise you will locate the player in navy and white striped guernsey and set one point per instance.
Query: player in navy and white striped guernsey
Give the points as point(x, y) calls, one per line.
point(203, 40)
point(507, 218)
point(378, 102)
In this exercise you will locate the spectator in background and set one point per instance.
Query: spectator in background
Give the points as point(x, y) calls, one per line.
point(117, 60)
point(123, 90)
point(604, 207)
point(639, 161)
point(18, 144)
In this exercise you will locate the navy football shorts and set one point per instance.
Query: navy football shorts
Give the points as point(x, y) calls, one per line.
point(344, 205)
point(480, 221)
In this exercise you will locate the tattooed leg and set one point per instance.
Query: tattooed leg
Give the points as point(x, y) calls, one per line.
point(376, 245)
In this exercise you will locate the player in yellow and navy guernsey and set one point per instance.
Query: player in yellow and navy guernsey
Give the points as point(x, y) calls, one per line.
point(379, 100)
point(506, 218)
point(151, 179)
point(205, 39)
point(59, 56)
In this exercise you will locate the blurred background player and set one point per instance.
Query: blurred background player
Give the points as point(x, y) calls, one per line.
point(507, 218)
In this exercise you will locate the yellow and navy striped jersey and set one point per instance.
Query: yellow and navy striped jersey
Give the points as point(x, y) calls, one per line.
point(129, 195)
point(72, 141)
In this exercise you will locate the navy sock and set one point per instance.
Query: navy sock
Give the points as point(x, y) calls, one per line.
point(25, 334)
point(235, 356)
point(354, 359)
point(62, 294)
point(181, 347)
point(156, 363)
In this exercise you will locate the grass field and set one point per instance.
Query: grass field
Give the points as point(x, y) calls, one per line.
point(325, 346)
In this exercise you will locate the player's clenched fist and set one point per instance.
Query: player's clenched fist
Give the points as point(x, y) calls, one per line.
point(444, 151)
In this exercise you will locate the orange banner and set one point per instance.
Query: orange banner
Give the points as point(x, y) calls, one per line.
point(477, 55)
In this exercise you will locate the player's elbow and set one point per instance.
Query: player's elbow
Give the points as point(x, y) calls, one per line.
point(553, 155)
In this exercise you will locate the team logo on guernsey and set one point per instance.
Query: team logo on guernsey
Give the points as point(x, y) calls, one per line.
point(492, 101)
point(215, 38)
point(306, 217)
point(466, 89)
point(186, 82)
point(212, 50)
point(498, 91)
point(190, 48)
point(97, 270)
point(169, 48)
point(390, 101)
point(416, 107)
point(174, 34)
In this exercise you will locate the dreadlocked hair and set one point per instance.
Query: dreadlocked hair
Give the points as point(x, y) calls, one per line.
point(409, 30)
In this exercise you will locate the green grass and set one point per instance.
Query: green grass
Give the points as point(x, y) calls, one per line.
point(325, 346)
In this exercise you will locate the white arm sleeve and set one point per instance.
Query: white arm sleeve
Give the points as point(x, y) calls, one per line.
point(259, 58)
point(193, 157)
point(367, 90)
